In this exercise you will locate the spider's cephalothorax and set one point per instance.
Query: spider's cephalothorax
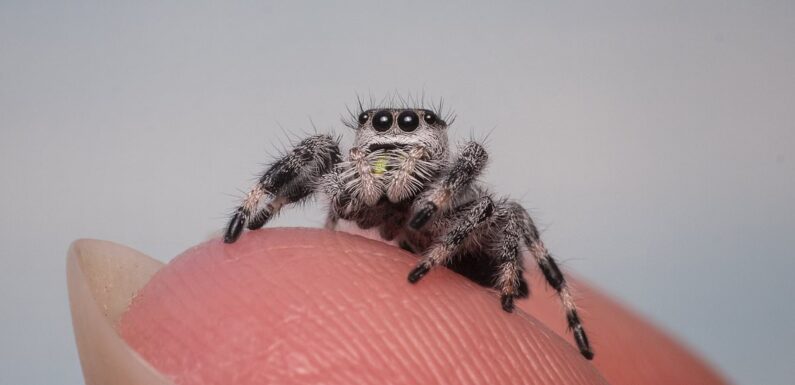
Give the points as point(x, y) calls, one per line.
point(400, 179)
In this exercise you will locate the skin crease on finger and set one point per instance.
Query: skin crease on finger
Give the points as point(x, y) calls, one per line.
point(301, 306)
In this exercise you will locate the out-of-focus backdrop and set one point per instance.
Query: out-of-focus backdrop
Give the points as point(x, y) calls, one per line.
point(654, 142)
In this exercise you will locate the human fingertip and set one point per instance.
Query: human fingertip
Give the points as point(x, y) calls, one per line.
point(298, 306)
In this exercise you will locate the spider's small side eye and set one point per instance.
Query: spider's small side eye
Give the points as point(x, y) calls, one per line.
point(430, 117)
point(408, 121)
point(382, 120)
point(363, 117)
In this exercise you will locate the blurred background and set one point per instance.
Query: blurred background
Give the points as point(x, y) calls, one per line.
point(653, 142)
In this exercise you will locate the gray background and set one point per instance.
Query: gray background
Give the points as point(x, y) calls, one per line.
point(654, 142)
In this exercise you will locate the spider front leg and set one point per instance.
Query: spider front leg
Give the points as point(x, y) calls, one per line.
point(289, 180)
point(473, 217)
point(453, 183)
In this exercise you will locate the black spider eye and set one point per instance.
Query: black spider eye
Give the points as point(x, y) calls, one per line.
point(429, 117)
point(363, 117)
point(408, 121)
point(382, 120)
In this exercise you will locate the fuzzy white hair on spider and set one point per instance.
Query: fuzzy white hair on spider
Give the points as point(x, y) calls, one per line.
point(401, 178)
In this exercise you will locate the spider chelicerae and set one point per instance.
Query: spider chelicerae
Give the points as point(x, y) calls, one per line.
point(399, 177)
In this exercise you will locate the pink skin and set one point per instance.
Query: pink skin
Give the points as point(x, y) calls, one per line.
point(301, 306)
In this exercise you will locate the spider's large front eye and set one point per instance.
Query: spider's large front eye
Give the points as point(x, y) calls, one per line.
point(382, 120)
point(363, 117)
point(429, 117)
point(408, 121)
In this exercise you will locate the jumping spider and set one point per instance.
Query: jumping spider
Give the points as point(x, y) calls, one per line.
point(399, 178)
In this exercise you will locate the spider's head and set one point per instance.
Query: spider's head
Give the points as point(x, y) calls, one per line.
point(402, 128)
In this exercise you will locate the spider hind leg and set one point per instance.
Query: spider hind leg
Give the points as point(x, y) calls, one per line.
point(554, 277)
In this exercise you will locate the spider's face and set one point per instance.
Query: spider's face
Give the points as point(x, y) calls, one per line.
point(390, 128)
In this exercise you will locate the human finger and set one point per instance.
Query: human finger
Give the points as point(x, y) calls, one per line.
point(299, 306)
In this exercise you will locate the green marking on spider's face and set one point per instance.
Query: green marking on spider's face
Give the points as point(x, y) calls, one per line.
point(379, 167)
